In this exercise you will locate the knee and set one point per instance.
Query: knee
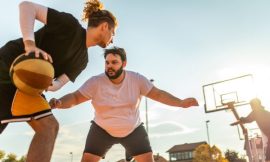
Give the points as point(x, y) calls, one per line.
point(46, 126)
point(52, 127)
point(146, 157)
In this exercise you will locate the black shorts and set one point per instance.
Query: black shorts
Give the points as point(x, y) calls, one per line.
point(98, 141)
point(7, 93)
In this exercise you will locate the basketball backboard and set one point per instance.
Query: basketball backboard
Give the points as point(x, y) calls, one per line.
point(239, 90)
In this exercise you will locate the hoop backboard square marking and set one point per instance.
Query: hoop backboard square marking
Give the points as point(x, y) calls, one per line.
point(229, 97)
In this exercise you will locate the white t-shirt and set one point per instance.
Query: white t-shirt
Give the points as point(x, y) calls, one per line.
point(116, 105)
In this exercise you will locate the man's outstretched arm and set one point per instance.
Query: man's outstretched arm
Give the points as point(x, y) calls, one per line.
point(250, 118)
point(168, 99)
point(68, 100)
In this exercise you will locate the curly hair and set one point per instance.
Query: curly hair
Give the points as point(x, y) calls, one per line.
point(95, 14)
point(116, 51)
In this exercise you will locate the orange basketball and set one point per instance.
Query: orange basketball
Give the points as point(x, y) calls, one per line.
point(31, 75)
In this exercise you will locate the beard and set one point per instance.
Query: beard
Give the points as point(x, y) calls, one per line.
point(116, 75)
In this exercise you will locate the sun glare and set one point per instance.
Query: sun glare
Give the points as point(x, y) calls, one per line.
point(261, 81)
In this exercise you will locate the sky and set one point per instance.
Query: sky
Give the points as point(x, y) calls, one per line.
point(182, 45)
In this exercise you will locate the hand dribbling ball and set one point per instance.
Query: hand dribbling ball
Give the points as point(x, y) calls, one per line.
point(30, 74)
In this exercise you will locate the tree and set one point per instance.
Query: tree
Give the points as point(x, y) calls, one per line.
point(22, 159)
point(10, 158)
point(2, 154)
point(233, 156)
point(205, 153)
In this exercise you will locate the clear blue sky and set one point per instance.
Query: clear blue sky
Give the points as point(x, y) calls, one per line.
point(182, 45)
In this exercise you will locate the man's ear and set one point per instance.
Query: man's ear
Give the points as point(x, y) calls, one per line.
point(104, 26)
point(124, 64)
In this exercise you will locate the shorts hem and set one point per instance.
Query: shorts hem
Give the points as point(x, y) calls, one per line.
point(25, 118)
point(89, 152)
point(143, 152)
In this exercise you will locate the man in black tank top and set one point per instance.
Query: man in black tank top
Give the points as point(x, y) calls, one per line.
point(64, 42)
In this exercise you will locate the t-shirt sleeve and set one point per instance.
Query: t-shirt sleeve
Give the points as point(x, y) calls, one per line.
point(60, 22)
point(145, 85)
point(88, 89)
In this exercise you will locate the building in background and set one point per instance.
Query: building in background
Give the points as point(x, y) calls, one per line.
point(183, 152)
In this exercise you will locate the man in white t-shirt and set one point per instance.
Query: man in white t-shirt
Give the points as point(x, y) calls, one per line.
point(116, 96)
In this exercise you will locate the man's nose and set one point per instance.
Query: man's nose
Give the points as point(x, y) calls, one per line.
point(109, 65)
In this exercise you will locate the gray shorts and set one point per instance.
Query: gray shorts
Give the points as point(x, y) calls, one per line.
point(98, 141)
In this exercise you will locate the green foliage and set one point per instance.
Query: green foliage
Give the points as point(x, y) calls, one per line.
point(10, 157)
point(2, 154)
point(22, 159)
point(233, 156)
point(205, 153)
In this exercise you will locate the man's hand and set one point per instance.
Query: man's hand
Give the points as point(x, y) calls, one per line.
point(30, 46)
point(237, 122)
point(188, 102)
point(55, 103)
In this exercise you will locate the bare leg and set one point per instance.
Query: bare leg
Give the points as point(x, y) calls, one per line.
point(146, 157)
point(88, 157)
point(42, 144)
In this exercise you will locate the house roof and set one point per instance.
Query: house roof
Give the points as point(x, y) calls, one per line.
point(185, 147)
point(158, 158)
